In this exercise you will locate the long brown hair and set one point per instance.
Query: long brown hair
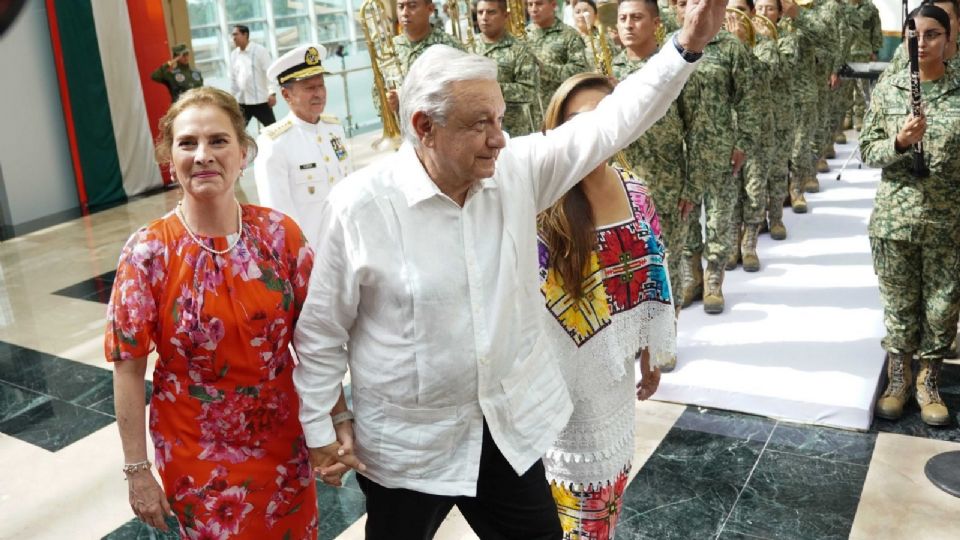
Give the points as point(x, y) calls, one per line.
point(568, 227)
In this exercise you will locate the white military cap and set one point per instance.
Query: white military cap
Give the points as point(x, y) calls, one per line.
point(301, 63)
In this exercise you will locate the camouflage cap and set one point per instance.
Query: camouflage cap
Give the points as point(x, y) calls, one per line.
point(180, 48)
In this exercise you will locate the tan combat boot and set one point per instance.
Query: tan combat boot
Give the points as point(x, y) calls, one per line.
point(933, 412)
point(797, 200)
point(734, 258)
point(692, 279)
point(840, 137)
point(847, 122)
point(811, 184)
point(830, 152)
point(748, 246)
point(713, 289)
point(822, 165)
point(899, 385)
point(778, 231)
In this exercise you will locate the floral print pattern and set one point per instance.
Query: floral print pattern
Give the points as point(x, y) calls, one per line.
point(223, 409)
point(592, 512)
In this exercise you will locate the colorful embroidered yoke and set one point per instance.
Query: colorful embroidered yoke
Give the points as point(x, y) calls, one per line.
point(627, 306)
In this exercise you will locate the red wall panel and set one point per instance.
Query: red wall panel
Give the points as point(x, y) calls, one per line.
point(152, 49)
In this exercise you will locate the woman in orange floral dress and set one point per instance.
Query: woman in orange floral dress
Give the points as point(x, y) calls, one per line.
point(216, 287)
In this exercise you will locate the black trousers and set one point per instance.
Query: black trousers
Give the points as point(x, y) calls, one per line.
point(261, 111)
point(507, 506)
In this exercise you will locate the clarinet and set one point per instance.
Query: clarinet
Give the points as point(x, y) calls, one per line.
point(919, 168)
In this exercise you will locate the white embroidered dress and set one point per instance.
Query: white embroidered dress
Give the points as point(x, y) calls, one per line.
point(627, 306)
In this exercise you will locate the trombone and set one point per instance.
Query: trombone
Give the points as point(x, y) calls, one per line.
point(387, 70)
point(461, 24)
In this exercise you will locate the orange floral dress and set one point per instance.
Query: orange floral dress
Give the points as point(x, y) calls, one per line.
point(223, 412)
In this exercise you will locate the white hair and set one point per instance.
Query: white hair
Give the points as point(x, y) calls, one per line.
point(426, 87)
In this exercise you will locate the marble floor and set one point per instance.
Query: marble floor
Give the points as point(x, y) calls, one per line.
point(697, 473)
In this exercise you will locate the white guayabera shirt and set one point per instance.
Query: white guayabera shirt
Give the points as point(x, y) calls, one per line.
point(248, 74)
point(440, 305)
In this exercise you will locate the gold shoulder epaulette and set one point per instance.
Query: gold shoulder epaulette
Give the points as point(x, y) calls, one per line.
point(329, 118)
point(277, 129)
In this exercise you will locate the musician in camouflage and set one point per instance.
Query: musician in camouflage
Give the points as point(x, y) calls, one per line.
point(416, 35)
point(866, 43)
point(952, 8)
point(915, 227)
point(557, 46)
point(835, 42)
point(750, 208)
point(518, 71)
point(721, 129)
point(809, 32)
point(658, 156)
point(780, 58)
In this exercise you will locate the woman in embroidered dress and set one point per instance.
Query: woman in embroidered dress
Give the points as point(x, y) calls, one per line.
point(216, 287)
point(608, 302)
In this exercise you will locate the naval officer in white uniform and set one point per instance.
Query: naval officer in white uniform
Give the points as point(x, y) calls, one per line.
point(300, 157)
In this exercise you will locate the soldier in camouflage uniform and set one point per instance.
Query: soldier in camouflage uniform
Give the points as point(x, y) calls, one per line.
point(658, 156)
point(781, 58)
point(176, 73)
point(557, 46)
point(721, 129)
point(417, 34)
point(866, 43)
point(518, 71)
point(915, 226)
point(808, 31)
point(831, 15)
point(750, 208)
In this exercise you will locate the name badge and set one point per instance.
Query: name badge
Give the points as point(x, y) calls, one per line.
point(338, 148)
point(306, 166)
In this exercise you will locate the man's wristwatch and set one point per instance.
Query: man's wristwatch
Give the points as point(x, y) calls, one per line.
point(689, 56)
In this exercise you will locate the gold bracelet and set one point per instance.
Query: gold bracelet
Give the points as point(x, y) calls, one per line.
point(130, 468)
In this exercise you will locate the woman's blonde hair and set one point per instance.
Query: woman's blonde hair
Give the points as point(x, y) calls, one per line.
point(568, 227)
point(196, 97)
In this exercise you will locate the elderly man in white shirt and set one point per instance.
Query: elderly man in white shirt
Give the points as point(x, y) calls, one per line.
point(249, 62)
point(425, 284)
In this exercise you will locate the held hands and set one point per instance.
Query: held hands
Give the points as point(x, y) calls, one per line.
point(911, 133)
point(332, 461)
point(701, 23)
point(147, 500)
point(685, 207)
point(272, 100)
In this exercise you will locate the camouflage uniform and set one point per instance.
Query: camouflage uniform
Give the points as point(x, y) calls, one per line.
point(408, 51)
point(780, 60)
point(714, 106)
point(560, 52)
point(866, 41)
point(658, 157)
point(518, 73)
point(832, 16)
point(805, 87)
point(915, 227)
point(177, 80)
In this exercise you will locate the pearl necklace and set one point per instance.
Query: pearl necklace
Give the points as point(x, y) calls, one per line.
point(183, 220)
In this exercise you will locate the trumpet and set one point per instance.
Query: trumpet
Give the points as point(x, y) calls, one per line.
point(764, 22)
point(735, 15)
point(516, 19)
point(387, 70)
point(461, 24)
